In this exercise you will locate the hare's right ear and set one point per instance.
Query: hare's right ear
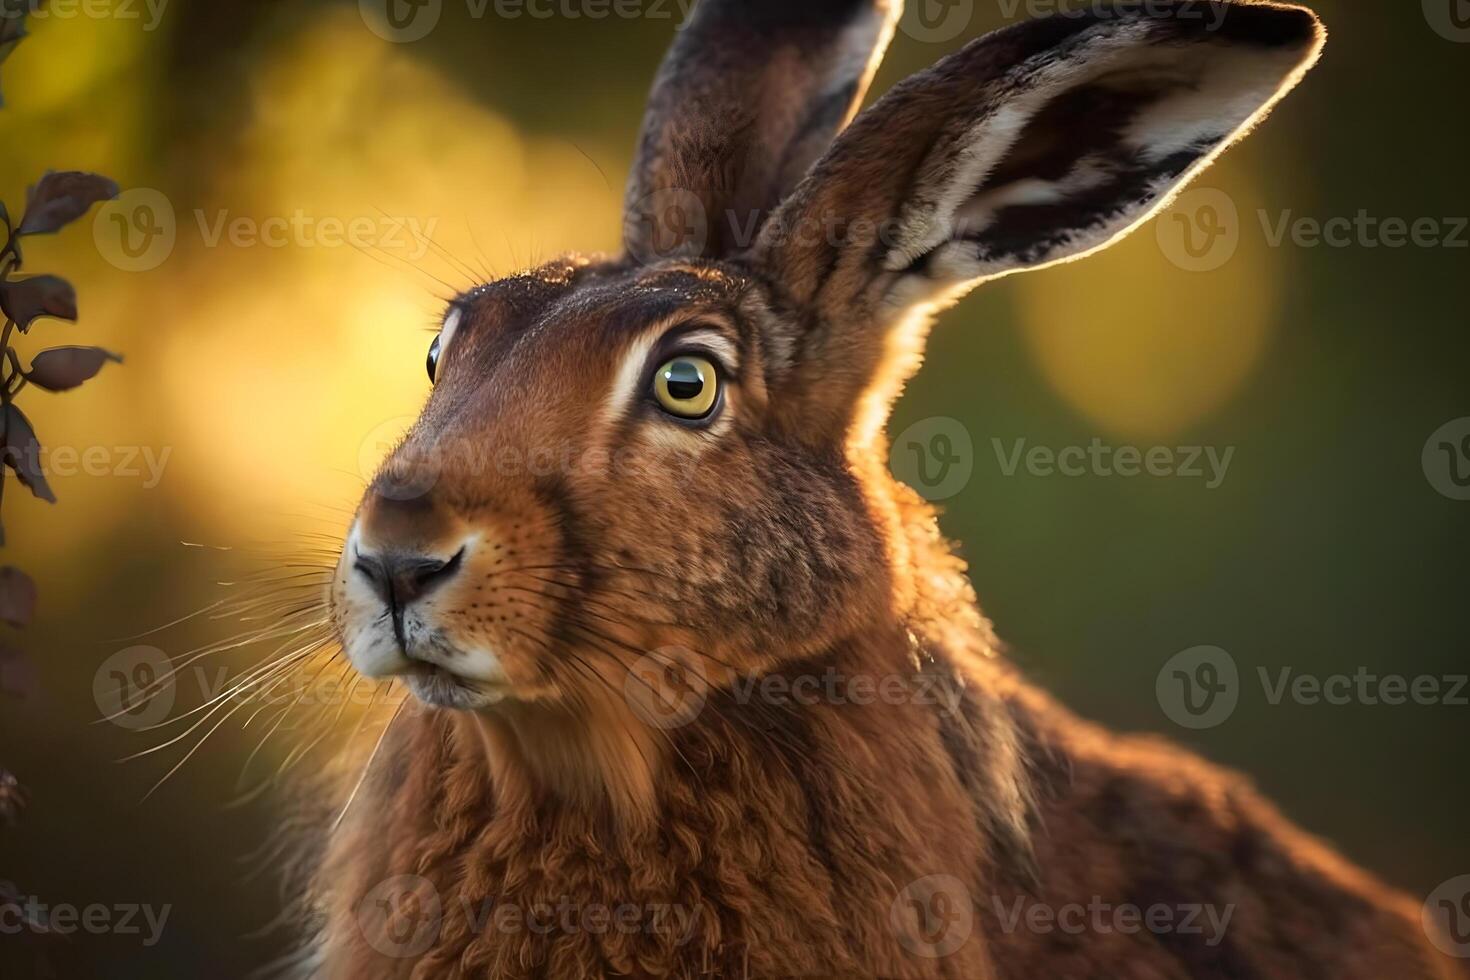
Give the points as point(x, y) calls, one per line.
point(1032, 145)
point(751, 94)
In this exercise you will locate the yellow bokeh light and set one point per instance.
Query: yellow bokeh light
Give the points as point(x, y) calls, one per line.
point(298, 355)
point(1144, 348)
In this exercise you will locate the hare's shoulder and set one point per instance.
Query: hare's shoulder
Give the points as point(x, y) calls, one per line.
point(1170, 860)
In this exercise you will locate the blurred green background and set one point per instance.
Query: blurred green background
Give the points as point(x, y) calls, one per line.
point(274, 374)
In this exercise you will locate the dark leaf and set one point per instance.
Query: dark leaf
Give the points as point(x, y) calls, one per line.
point(6, 47)
point(17, 597)
point(13, 796)
point(25, 299)
point(14, 12)
point(18, 675)
point(27, 916)
point(13, 22)
point(9, 40)
point(22, 453)
point(13, 28)
point(61, 197)
point(63, 368)
point(4, 214)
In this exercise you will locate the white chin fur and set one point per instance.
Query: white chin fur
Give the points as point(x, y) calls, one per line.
point(442, 691)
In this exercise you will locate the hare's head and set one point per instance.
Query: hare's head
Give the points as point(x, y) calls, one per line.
point(675, 450)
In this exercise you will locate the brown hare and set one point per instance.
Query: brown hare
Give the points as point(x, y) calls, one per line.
point(699, 689)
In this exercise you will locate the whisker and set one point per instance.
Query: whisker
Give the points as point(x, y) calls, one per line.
point(186, 732)
point(367, 766)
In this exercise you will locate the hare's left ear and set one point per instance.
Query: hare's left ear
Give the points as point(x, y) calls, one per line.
point(1032, 145)
point(752, 92)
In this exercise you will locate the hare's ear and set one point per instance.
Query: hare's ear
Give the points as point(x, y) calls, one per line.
point(752, 92)
point(1035, 144)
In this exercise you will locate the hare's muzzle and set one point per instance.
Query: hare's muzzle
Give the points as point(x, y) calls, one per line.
point(404, 593)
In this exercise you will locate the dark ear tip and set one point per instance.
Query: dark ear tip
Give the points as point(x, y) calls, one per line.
point(1273, 25)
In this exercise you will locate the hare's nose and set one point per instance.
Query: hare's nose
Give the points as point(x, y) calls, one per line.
point(400, 578)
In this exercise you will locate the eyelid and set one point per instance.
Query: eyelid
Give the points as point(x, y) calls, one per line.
point(697, 340)
point(449, 327)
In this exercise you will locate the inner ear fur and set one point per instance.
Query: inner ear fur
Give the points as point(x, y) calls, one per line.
point(1035, 144)
point(750, 95)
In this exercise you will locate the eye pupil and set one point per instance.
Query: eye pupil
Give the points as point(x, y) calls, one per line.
point(433, 364)
point(684, 379)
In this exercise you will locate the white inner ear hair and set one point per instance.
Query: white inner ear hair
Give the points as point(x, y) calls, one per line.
point(1211, 90)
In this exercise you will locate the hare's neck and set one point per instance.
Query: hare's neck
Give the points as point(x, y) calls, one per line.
point(592, 759)
point(606, 756)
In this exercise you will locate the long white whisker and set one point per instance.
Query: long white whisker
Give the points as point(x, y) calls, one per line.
point(367, 766)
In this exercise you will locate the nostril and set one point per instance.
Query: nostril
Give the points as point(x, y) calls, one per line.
point(372, 569)
point(426, 574)
point(400, 578)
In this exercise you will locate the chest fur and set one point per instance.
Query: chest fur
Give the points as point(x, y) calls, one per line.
point(792, 847)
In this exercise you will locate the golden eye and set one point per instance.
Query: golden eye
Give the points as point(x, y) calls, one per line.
point(688, 387)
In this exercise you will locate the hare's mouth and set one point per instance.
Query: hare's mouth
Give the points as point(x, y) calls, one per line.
point(441, 688)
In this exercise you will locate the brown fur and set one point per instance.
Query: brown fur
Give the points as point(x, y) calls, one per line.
point(760, 836)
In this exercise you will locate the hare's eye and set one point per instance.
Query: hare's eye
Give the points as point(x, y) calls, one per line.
point(687, 387)
point(434, 359)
